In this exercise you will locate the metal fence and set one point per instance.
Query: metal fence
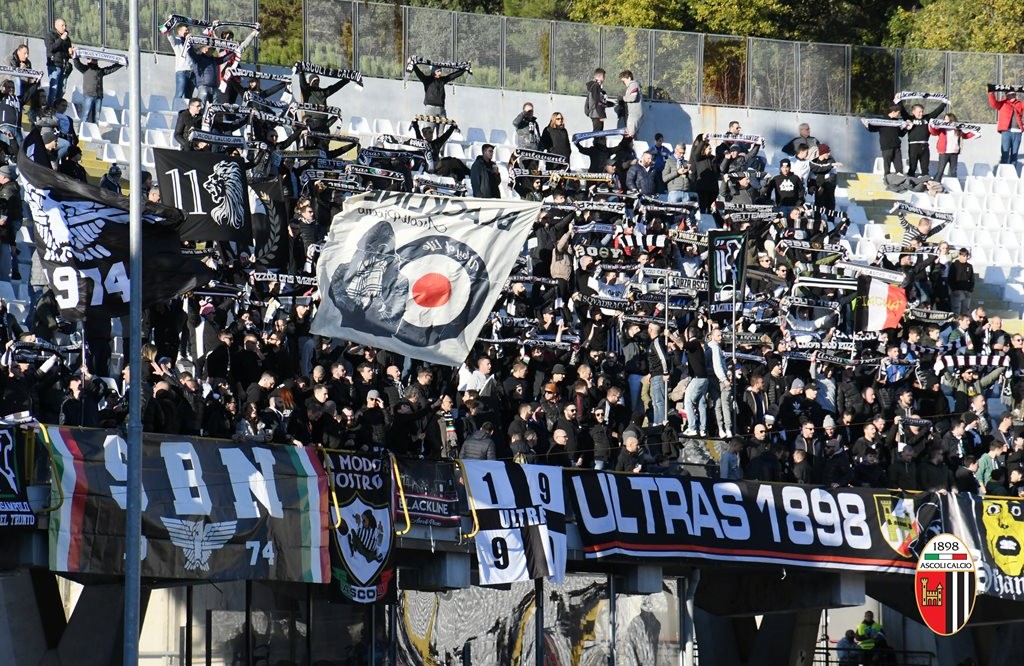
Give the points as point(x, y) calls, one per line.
point(558, 57)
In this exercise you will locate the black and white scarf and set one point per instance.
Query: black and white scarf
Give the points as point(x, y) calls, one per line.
point(971, 360)
point(907, 94)
point(262, 76)
point(344, 74)
point(102, 56)
point(465, 65)
point(902, 206)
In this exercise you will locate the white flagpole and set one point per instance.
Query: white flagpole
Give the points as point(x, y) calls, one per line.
point(133, 515)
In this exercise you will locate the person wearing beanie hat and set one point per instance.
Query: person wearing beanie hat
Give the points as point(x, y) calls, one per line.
point(111, 181)
point(48, 137)
point(10, 107)
point(787, 189)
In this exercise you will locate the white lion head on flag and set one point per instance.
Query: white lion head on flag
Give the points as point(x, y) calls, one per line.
point(227, 189)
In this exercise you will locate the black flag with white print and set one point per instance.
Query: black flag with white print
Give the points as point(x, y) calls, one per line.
point(210, 189)
point(82, 237)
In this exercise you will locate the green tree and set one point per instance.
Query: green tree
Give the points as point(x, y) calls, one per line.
point(660, 14)
point(281, 39)
point(958, 25)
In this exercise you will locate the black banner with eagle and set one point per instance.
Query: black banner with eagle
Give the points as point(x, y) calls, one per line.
point(212, 192)
point(82, 236)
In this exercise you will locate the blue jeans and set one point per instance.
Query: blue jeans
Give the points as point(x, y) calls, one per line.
point(1009, 146)
point(696, 398)
point(206, 93)
point(184, 84)
point(658, 397)
point(636, 403)
point(57, 79)
point(91, 109)
point(678, 196)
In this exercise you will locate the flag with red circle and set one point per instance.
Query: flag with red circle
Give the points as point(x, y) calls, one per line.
point(418, 274)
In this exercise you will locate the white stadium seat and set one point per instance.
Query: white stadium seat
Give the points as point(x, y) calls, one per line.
point(1007, 171)
point(976, 185)
point(996, 204)
point(476, 135)
point(358, 125)
point(499, 137)
point(7, 291)
point(111, 100)
point(973, 203)
point(148, 159)
point(157, 121)
point(454, 150)
point(114, 152)
point(383, 126)
point(90, 132)
point(952, 184)
point(157, 103)
point(108, 116)
point(981, 169)
point(947, 202)
point(1004, 187)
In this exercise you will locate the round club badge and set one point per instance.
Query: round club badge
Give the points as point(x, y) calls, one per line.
point(945, 584)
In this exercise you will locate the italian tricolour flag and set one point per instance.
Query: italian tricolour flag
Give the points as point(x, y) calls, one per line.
point(879, 306)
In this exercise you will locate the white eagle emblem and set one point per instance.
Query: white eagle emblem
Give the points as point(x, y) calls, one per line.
point(198, 540)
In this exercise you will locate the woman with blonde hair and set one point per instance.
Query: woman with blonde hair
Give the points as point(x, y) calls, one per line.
point(555, 139)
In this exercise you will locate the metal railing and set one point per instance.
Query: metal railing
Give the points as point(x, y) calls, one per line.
point(558, 57)
point(829, 656)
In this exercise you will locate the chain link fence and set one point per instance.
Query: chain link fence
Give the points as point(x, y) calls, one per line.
point(551, 56)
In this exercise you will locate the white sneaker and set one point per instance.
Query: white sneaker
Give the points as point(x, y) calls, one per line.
point(689, 432)
point(703, 433)
point(727, 434)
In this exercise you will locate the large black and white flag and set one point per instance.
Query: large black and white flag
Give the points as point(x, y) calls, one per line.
point(82, 239)
point(210, 189)
point(417, 274)
point(520, 510)
point(726, 268)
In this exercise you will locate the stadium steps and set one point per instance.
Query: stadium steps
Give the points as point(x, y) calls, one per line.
point(868, 191)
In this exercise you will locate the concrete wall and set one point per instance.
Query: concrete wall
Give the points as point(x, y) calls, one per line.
point(494, 109)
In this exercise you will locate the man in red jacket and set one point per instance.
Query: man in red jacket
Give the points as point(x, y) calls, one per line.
point(1009, 125)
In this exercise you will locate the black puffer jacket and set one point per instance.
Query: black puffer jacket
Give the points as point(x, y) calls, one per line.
point(479, 446)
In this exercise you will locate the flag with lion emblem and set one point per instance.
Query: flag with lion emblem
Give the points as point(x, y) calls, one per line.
point(82, 237)
point(418, 274)
point(212, 192)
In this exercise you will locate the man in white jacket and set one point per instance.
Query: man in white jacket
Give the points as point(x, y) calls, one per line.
point(721, 385)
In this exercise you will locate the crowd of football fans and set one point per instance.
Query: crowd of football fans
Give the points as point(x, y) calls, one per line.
point(601, 352)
